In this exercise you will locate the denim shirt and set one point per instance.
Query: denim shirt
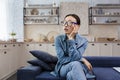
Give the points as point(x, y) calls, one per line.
point(69, 50)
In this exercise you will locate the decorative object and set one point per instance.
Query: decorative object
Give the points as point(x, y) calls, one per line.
point(51, 35)
point(13, 34)
point(110, 39)
point(28, 40)
point(34, 11)
point(103, 39)
point(42, 38)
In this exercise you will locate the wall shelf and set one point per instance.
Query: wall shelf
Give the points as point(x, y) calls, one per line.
point(41, 14)
point(104, 15)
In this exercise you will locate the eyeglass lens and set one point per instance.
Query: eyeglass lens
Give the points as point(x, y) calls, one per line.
point(68, 23)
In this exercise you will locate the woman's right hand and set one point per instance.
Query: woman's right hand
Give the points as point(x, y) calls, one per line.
point(87, 63)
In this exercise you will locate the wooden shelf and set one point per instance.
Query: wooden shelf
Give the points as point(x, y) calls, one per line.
point(40, 23)
point(106, 7)
point(104, 15)
point(41, 7)
point(40, 13)
point(105, 24)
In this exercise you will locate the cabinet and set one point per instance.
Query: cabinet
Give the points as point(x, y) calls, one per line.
point(105, 49)
point(26, 54)
point(41, 14)
point(102, 49)
point(4, 61)
point(116, 49)
point(47, 47)
point(41, 46)
point(15, 51)
point(99, 15)
point(51, 49)
point(92, 49)
point(10, 56)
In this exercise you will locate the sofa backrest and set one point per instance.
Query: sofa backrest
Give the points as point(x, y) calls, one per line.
point(103, 61)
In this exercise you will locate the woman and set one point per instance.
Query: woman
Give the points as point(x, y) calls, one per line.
point(70, 48)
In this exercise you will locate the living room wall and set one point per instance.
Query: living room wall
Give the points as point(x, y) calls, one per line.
point(33, 31)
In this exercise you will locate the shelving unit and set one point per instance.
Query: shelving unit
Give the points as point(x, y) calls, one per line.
point(104, 15)
point(41, 14)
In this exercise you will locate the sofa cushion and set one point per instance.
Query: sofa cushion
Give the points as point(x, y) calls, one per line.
point(104, 73)
point(40, 63)
point(47, 76)
point(34, 62)
point(104, 61)
point(44, 56)
point(28, 72)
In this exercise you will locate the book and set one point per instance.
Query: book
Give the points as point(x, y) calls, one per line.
point(117, 68)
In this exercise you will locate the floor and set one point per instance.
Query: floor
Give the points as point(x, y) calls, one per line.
point(13, 77)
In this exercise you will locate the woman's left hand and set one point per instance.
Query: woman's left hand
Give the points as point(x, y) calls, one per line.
point(87, 63)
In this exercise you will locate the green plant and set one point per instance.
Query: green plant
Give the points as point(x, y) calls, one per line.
point(13, 34)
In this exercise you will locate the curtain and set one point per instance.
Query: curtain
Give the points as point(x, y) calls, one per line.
point(3, 20)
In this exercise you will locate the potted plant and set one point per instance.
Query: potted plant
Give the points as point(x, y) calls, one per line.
point(13, 34)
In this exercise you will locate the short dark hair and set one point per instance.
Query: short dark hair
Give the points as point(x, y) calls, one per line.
point(76, 17)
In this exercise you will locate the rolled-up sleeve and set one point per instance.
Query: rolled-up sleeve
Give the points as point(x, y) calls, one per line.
point(60, 53)
point(76, 52)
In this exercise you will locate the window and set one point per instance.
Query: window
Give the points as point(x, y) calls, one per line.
point(3, 20)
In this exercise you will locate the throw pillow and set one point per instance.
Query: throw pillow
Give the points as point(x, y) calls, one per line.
point(40, 63)
point(34, 62)
point(44, 56)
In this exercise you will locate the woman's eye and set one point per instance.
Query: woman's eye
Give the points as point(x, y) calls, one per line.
point(69, 23)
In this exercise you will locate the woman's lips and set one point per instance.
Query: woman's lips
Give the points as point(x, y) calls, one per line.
point(65, 29)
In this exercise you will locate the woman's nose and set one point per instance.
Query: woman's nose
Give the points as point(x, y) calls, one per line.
point(65, 25)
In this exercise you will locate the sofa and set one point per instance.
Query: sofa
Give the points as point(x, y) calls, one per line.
point(102, 69)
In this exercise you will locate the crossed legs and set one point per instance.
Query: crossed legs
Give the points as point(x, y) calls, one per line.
point(73, 71)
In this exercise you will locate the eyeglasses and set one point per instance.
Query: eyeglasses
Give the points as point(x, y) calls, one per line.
point(68, 23)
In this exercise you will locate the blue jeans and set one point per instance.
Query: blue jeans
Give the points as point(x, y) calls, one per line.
point(73, 71)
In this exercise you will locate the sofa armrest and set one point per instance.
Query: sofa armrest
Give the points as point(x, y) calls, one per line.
point(28, 72)
point(104, 61)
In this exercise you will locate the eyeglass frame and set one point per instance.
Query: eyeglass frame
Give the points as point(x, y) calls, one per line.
point(66, 23)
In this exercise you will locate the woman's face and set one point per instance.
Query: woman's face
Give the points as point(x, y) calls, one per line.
point(69, 24)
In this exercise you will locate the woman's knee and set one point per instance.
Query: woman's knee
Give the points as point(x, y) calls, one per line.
point(76, 63)
point(69, 76)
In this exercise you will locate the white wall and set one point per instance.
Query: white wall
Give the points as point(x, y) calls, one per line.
point(35, 31)
point(91, 2)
